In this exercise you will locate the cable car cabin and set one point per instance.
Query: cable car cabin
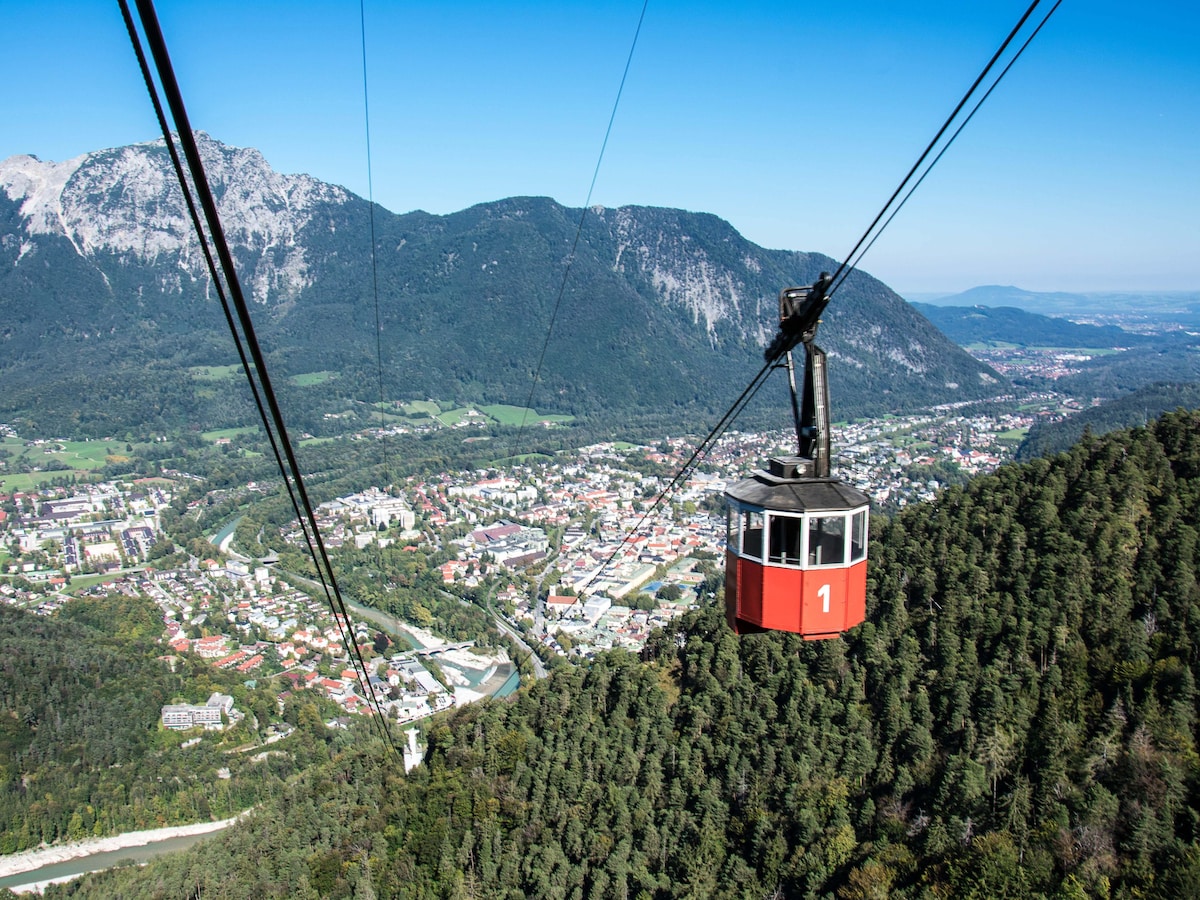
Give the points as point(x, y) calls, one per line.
point(796, 553)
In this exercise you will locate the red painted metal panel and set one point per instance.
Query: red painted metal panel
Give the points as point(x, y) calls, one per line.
point(781, 598)
point(731, 590)
point(856, 593)
point(813, 602)
point(750, 591)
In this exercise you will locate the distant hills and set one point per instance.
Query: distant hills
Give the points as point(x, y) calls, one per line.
point(1163, 353)
point(1059, 303)
point(1005, 295)
point(106, 310)
point(1007, 324)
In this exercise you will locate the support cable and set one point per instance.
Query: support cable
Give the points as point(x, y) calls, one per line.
point(562, 287)
point(213, 271)
point(958, 131)
point(852, 259)
point(199, 183)
point(697, 456)
point(362, 19)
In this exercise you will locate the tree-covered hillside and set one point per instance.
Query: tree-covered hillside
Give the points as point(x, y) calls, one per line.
point(82, 753)
point(983, 324)
point(1017, 718)
point(1136, 408)
point(1173, 358)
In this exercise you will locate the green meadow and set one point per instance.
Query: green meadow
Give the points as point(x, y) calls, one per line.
point(516, 415)
point(308, 379)
point(1013, 434)
point(230, 433)
point(65, 459)
point(215, 373)
point(429, 407)
point(454, 416)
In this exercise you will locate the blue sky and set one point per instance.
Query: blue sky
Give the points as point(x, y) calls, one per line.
point(793, 121)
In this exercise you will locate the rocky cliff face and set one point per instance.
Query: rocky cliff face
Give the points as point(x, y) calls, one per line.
point(127, 202)
point(684, 273)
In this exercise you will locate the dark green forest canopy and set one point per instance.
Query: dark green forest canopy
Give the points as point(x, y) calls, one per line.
point(970, 324)
point(82, 753)
point(1016, 719)
point(1130, 410)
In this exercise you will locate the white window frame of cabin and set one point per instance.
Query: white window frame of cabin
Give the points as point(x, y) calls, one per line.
point(854, 538)
point(749, 521)
point(810, 553)
point(860, 523)
point(785, 559)
point(742, 518)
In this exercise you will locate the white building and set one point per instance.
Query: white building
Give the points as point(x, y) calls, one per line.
point(182, 716)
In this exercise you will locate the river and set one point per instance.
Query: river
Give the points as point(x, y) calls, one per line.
point(65, 869)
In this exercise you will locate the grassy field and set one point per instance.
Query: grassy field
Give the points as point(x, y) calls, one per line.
point(215, 373)
point(1013, 434)
point(308, 379)
point(229, 432)
point(89, 454)
point(22, 483)
point(454, 416)
point(82, 582)
point(383, 413)
point(421, 406)
point(515, 415)
point(78, 458)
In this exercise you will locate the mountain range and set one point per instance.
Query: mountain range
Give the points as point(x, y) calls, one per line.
point(106, 309)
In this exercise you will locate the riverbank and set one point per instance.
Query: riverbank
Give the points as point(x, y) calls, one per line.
point(31, 860)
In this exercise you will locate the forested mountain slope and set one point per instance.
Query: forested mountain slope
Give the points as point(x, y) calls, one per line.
point(82, 753)
point(105, 305)
point(1130, 410)
point(1016, 719)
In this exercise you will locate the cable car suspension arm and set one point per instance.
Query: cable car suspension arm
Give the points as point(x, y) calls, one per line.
point(800, 311)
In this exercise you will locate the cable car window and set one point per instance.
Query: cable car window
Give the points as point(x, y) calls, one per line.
point(826, 540)
point(752, 533)
point(858, 536)
point(732, 520)
point(785, 534)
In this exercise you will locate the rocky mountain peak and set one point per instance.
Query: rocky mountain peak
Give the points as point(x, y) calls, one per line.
point(127, 202)
point(665, 309)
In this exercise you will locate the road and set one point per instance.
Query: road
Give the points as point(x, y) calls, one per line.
point(539, 669)
point(397, 627)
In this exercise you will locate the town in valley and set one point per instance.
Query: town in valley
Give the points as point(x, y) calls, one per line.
point(571, 557)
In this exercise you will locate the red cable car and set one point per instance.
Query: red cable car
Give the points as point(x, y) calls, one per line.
point(796, 548)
